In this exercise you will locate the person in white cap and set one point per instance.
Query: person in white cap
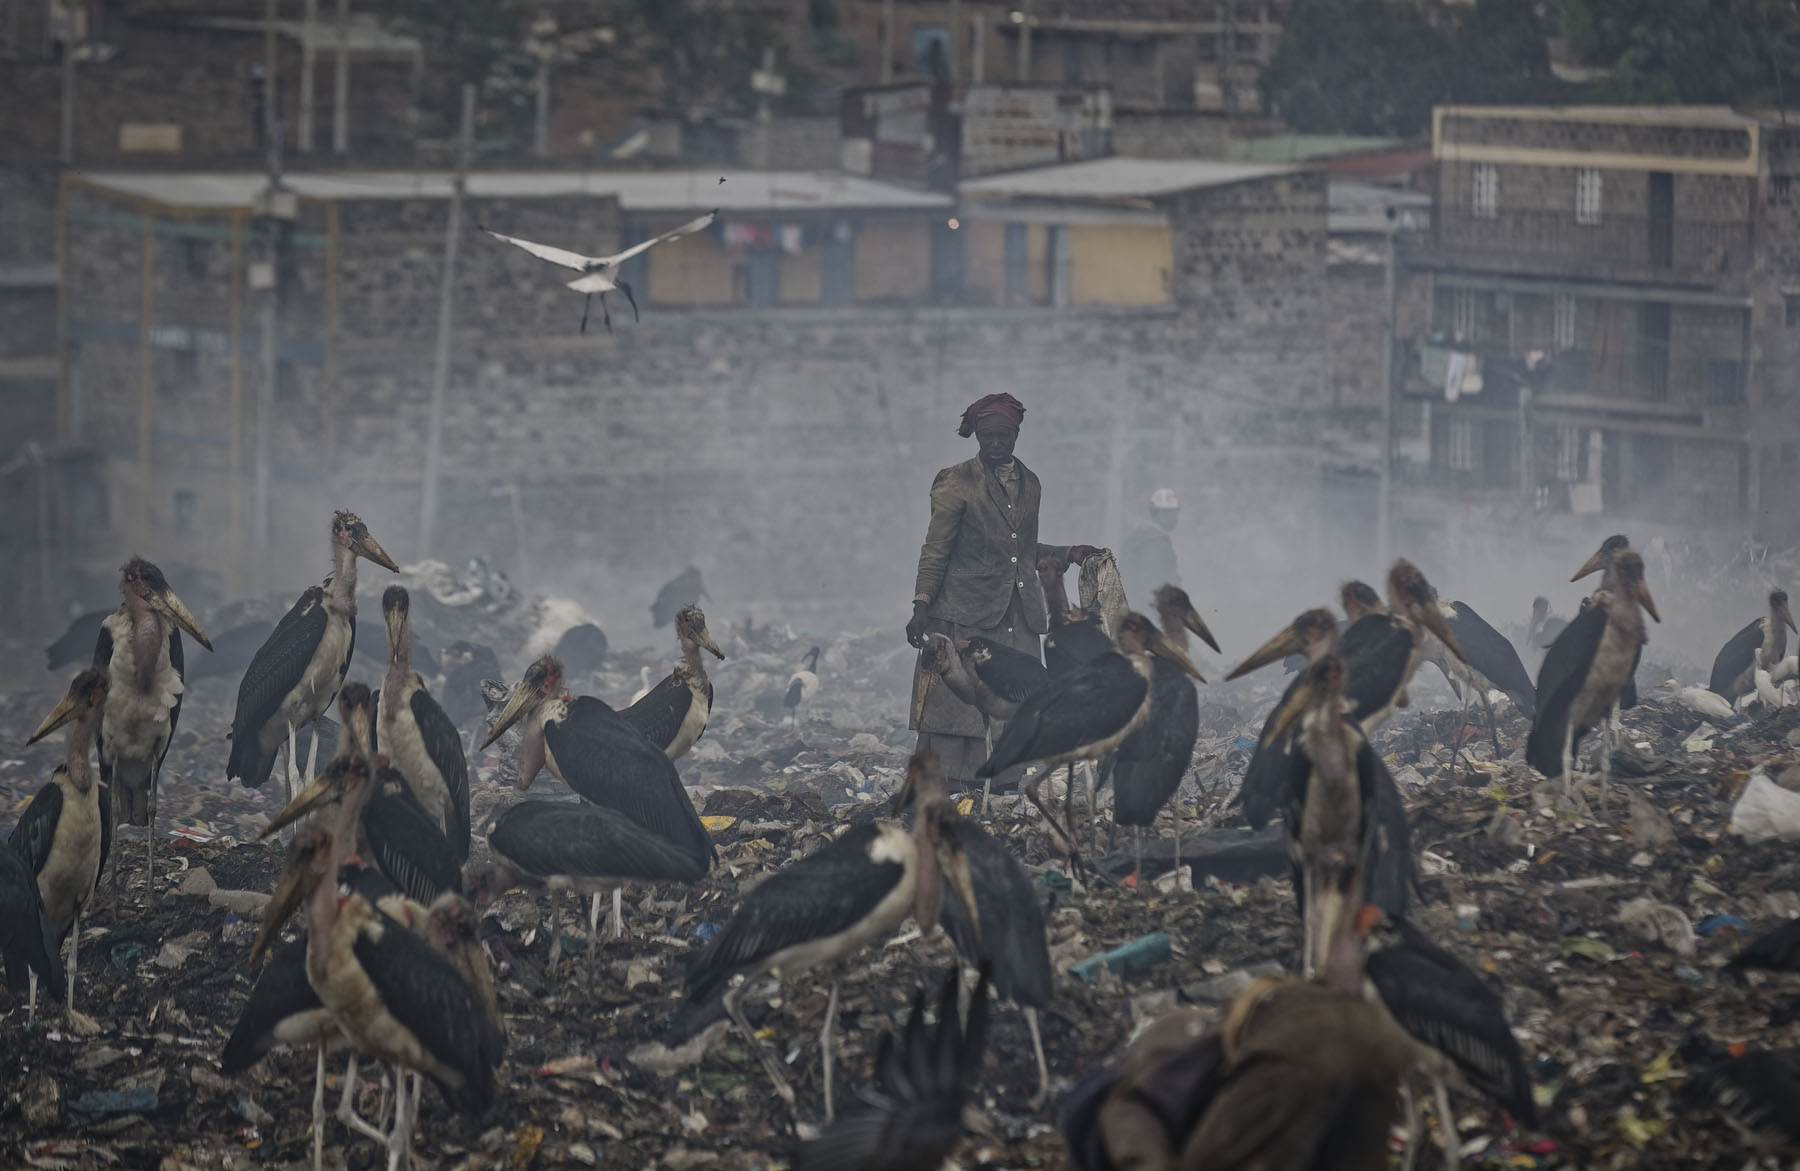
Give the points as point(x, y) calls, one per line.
point(1147, 557)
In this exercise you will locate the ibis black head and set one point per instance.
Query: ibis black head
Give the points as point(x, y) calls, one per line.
point(1359, 598)
point(1540, 606)
point(348, 531)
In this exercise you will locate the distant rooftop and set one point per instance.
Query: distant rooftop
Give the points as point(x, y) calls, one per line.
point(1716, 116)
point(1362, 208)
point(1116, 178)
point(682, 190)
point(1298, 148)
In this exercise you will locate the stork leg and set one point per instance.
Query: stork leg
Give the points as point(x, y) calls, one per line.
point(1093, 795)
point(150, 843)
point(825, 1061)
point(732, 1003)
point(318, 1121)
point(31, 995)
point(593, 936)
point(74, 946)
point(397, 1138)
point(1031, 791)
point(1175, 816)
point(585, 303)
point(555, 935)
point(1414, 1124)
point(1487, 705)
point(1568, 758)
point(312, 755)
point(1447, 1126)
point(346, 1111)
point(615, 927)
point(1137, 850)
point(1037, 1050)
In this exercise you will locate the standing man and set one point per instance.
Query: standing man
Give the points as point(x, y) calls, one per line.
point(977, 572)
point(1147, 555)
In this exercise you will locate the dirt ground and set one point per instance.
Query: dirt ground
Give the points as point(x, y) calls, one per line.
point(608, 1070)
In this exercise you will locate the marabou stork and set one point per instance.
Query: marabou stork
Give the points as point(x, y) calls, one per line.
point(941, 657)
point(1759, 646)
point(1075, 636)
point(27, 937)
point(1301, 1076)
point(829, 905)
point(1776, 951)
point(1601, 559)
point(582, 649)
point(139, 647)
point(1488, 663)
point(295, 674)
point(803, 684)
point(1448, 1008)
point(232, 651)
point(1311, 635)
point(65, 832)
point(1346, 830)
point(914, 1118)
point(1011, 675)
point(1586, 670)
point(673, 715)
point(416, 735)
point(283, 1009)
point(596, 753)
point(600, 274)
point(1381, 648)
point(1149, 764)
point(576, 847)
point(75, 643)
point(1757, 1092)
point(684, 589)
point(396, 997)
point(1085, 714)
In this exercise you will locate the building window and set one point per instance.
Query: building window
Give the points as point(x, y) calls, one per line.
point(931, 50)
point(1462, 314)
point(1562, 321)
point(1724, 384)
point(1587, 196)
point(1018, 288)
point(195, 253)
point(186, 507)
point(1781, 190)
point(1569, 449)
point(1487, 191)
point(1461, 445)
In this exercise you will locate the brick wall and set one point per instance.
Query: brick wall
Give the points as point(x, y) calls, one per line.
point(1150, 134)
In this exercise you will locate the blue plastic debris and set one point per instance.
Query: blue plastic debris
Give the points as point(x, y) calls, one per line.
point(1141, 954)
point(1247, 743)
point(705, 930)
point(1714, 923)
point(124, 954)
point(97, 1104)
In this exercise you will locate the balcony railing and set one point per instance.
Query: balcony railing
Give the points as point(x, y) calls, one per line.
point(1640, 245)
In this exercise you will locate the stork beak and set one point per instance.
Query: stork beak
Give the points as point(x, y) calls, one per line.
point(1285, 643)
point(296, 883)
point(1192, 620)
point(953, 864)
point(1787, 616)
point(64, 712)
point(396, 628)
point(1431, 617)
point(172, 608)
point(1162, 648)
point(1641, 592)
point(1290, 713)
point(704, 637)
point(1325, 907)
point(516, 703)
point(367, 546)
point(1593, 564)
point(322, 791)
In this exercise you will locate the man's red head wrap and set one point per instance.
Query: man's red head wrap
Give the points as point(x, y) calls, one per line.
point(1001, 408)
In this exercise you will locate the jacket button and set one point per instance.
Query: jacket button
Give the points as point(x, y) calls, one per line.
point(1021, 585)
point(1015, 560)
point(1015, 536)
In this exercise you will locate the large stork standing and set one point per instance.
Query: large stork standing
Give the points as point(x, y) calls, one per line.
point(293, 678)
point(1381, 648)
point(600, 274)
point(1758, 647)
point(417, 736)
point(65, 832)
point(588, 747)
point(1311, 635)
point(1488, 662)
point(1587, 669)
point(1150, 763)
point(829, 905)
point(139, 647)
point(673, 714)
point(686, 588)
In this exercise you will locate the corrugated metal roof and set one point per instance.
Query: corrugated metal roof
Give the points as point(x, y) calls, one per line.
point(1116, 178)
point(1637, 115)
point(684, 190)
point(1297, 148)
point(1357, 207)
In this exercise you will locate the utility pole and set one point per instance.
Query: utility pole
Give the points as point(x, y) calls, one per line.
point(887, 41)
point(66, 141)
point(270, 280)
point(540, 123)
point(1228, 58)
point(340, 84)
point(309, 62)
point(1385, 505)
point(440, 373)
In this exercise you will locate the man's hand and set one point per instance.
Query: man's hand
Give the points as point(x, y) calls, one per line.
point(1080, 553)
point(915, 630)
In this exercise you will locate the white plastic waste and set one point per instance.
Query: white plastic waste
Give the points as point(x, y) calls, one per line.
point(1766, 811)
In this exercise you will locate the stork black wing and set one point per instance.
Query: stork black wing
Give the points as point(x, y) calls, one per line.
point(103, 646)
point(1443, 1003)
point(1560, 680)
point(551, 838)
point(1387, 840)
point(422, 990)
point(103, 653)
point(1759, 1092)
point(1734, 658)
point(1264, 788)
point(823, 894)
point(1149, 765)
point(282, 996)
point(1376, 650)
point(74, 641)
point(1078, 709)
point(443, 744)
point(275, 670)
point(1011, 674)
point(610, 763)
point(27, 943)
point(35, 835)
point(1491, 653)
point(1073, 644)
point(659, 714)
point(1778, 951)
point(1012, 941)
point(409, 848)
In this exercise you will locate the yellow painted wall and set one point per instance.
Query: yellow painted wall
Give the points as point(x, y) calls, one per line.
point(800, 277)
point(693, 271)
point(1120, 264)
point(984, 262)
point(893, 261)
point(1037, 263)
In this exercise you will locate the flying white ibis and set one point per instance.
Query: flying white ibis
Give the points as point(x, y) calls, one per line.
point(1148, 767)
point(1087, 713)
point(1760, 646)
point(65, 832)
point(1587, 668)
point(829, 905)
point(673, 714)
point(415, 734)
point(295, 674)
point(576, 847)
point(1312, 634)
point(913, 1119)
point(803, 684)
point(600, 274)
point(139, 645)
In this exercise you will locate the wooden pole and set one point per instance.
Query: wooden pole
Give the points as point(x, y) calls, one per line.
point(309, 62)
point(340, 83)
point(146, 377)
point(440, 371)
point(1385, 505)
point(234, 415)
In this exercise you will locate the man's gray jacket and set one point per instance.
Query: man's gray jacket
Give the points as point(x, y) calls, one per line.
point(981, 548)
